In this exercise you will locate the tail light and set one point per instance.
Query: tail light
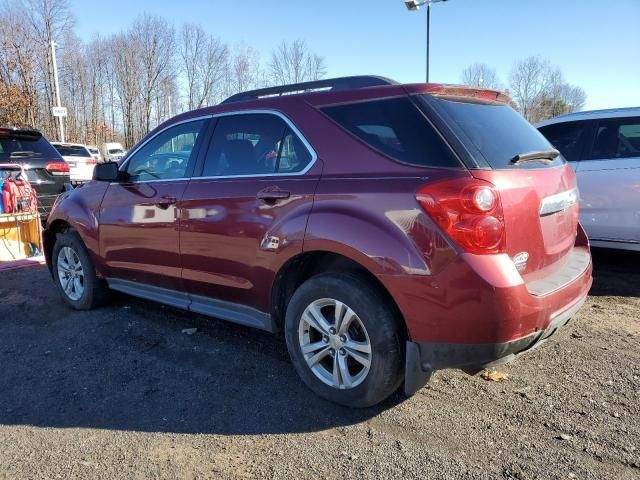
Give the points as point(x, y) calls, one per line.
point(57, 168)
point(469, 211)
point(91, 161)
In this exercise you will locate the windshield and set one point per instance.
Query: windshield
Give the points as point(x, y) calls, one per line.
point(25, 146)
point(497, 131)
point(72, 151)
point(115, 151)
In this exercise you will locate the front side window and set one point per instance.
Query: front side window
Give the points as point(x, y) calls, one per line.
point(566, 137)
point(167, 155)
point(254, 144)
point(619, 138)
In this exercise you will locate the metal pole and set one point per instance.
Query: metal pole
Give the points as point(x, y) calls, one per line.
point(56, 86)
point(428, 35)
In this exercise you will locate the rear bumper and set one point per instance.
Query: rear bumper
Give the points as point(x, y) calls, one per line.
point(442, 355)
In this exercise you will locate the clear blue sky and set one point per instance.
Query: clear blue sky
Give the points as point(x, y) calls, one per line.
point(595, 42)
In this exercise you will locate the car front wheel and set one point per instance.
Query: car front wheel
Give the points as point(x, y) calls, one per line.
point(75, 274)
point(343, 338)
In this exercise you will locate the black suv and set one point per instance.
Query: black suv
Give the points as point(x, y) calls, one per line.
point(46, 169)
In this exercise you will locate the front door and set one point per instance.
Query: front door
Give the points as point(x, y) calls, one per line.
point(246, 211)
point(139, 221)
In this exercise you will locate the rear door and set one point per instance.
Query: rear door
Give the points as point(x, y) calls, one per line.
point(609, 180)
point(246, 211)
point(139, 218)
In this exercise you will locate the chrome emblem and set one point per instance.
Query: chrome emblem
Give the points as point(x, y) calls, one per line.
point(520, 260)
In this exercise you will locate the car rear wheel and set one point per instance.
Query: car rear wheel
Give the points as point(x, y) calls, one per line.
point(75, 274)
point(344, 341)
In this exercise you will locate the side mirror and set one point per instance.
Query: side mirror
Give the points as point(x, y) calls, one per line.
point(106, 172)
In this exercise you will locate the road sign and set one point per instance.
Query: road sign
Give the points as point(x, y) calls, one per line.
point(59, 111)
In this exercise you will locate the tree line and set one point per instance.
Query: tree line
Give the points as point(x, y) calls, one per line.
point(121, 86)
point(537, 87)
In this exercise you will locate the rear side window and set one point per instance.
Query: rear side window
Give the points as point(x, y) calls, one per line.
point(566, 137)
point(396, 128)
point(496, 130)
point(254, 144)
point(619, 138)
point(16, 146)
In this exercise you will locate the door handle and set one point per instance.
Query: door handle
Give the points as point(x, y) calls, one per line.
point(272, 194)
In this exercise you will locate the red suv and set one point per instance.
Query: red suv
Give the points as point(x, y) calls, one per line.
point(388, 230)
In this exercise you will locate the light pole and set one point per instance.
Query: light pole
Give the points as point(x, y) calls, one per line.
point(57, 88)
point(414, 6)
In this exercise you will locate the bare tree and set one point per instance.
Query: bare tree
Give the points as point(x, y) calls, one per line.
point(481, 75)
point(203, 62)
point(293, 63)
point(153, 39)
point(530, 79)
point(540, 91)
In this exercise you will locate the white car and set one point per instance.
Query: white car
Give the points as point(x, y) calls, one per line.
point(113, 151)
point(95, 152)
point(81, 162)
point(603, 148)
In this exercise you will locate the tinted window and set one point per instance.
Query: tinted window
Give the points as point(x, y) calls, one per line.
point(72, 151)
point(618, 138)
point(254, 144)
point(566, 137)
point(496, 130)
point(16, 146)
point(396, 128)
point(167, 155)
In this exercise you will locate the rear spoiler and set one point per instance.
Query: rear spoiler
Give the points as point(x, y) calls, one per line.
point(19, 133)
point(461, 93)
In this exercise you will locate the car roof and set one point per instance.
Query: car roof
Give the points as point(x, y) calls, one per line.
point(593, 115)
point(330, 92)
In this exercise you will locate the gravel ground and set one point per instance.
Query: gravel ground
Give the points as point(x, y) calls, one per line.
point(121, 392)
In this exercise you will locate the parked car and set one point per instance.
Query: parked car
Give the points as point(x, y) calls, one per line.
point(95, 152)
point(603, 147)
point(80, 161)
point(46, 170)
point(388, 230)
point(113, 151)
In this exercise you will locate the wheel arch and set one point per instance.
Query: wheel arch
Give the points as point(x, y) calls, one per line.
point(305, 265)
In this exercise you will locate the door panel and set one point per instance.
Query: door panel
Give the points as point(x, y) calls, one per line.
point(610, 198)
point(233, 242)
point(139, 232)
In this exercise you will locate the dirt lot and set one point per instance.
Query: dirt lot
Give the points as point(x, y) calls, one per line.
point(121, 393)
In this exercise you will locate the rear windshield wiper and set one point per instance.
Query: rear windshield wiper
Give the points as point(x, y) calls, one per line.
point(544, 156)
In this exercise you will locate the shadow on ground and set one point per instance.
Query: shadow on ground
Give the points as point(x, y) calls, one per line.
point(616, 273)
point(129, 367)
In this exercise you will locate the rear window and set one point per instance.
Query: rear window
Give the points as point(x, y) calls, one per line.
point(396, 128)
point(497, 131)
point(115, 151)
point(16, 146)
point(72, 151)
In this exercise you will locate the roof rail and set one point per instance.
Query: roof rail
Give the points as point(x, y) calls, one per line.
point(331, 84)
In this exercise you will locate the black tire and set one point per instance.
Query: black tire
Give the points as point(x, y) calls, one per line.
point(95, 290)
point(380, 320)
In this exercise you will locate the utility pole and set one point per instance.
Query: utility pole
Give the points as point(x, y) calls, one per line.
point(57, 88)
point(428, 36)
